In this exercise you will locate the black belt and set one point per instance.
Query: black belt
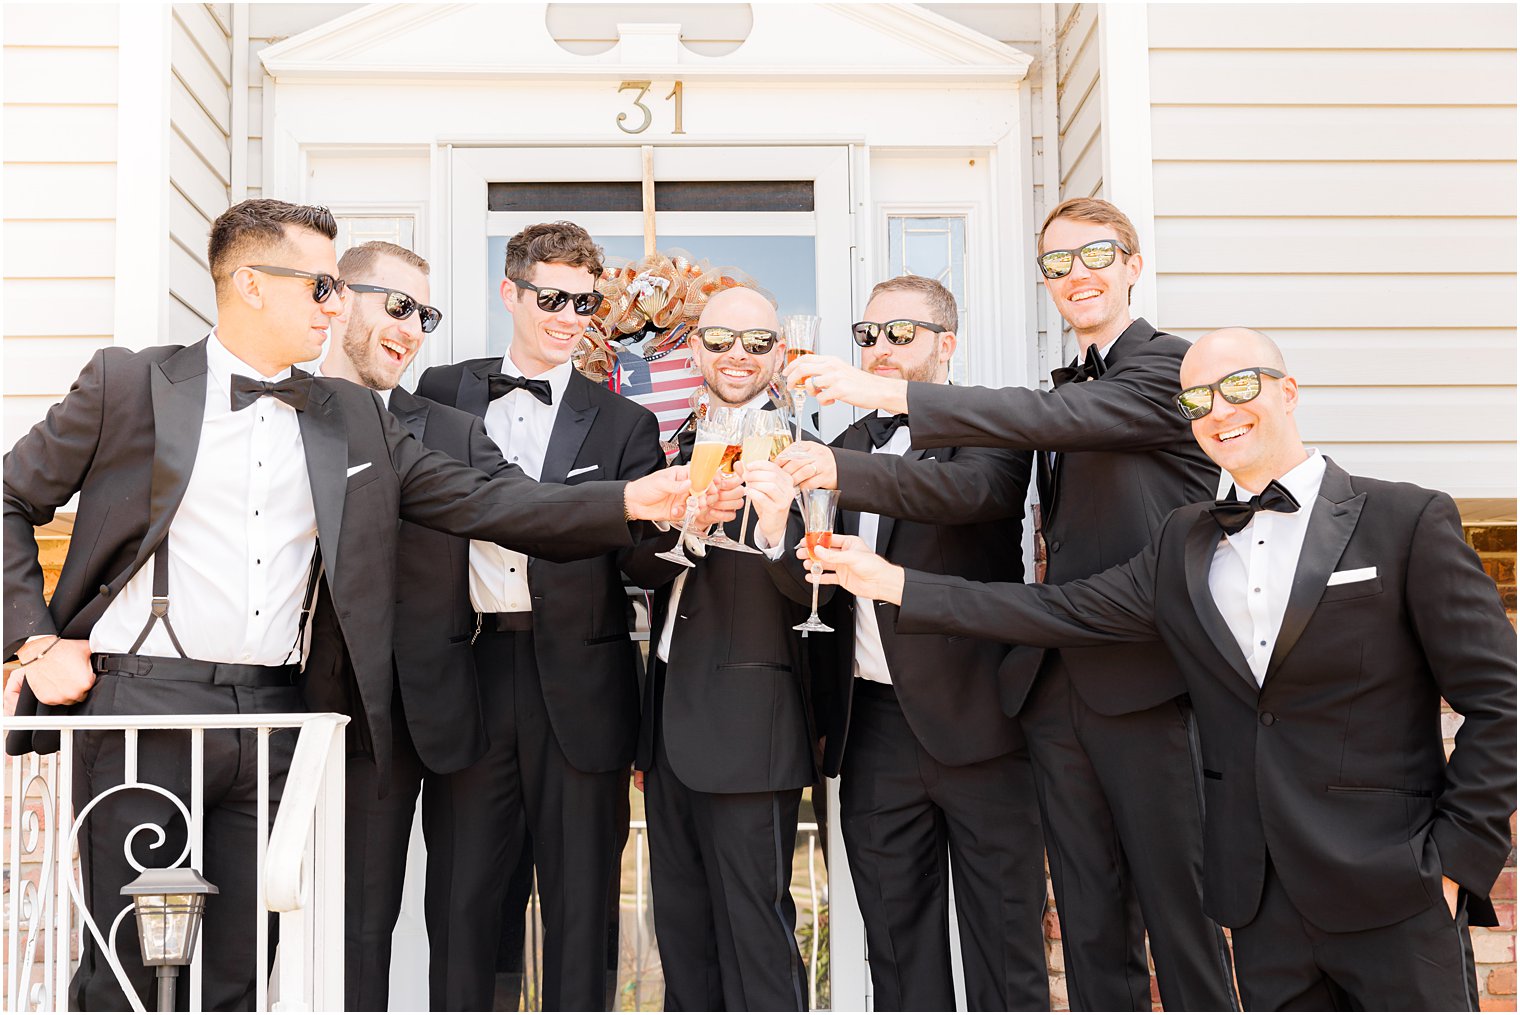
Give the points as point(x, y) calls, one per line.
point(169, 668)
point(875, 689)
point(498, 623)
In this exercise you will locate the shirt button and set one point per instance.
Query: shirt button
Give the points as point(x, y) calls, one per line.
point(1261, 542)
point(1263, 644)
point(519, 419)
point(1256, 590)
point(512, 569)
point(255, 512)
point(259, 560)
point(255, 613)
point(105, 590)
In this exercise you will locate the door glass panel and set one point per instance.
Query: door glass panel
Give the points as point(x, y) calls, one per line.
point(785, 266)
point(934, 247)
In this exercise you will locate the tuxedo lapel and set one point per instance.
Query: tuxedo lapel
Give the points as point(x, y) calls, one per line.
point(571, 425)
point(410, 410)
point(1336, 512)
point(886, 524)
point(1198, 557)
point(474, 388)
point(179, 408)
point(326, 444)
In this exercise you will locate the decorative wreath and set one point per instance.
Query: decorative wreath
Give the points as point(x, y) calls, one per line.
point(655, 301)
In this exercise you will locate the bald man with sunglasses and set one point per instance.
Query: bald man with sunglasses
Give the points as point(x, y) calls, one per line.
point(1319, 618)
point(1117, 772)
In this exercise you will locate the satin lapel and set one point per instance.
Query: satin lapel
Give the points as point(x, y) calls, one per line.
point(1044, 481)
point(1048, 508)
point(855, 439)
point(179, 408)
point(1197, 559)
point(410, 410)
point(474, 389)
point(887, 523)
point(571, 425)
point(326, 444)
point(1336, 511)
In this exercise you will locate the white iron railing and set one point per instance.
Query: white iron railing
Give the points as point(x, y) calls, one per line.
point(300, 859)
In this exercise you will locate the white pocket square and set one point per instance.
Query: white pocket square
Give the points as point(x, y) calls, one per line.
point(577, 472)
point(1359, 574)
point(359, 468)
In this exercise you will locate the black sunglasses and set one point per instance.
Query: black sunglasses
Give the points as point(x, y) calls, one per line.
point(1097, 254)
point(323, 285)
point(756, 341)
point(551, 300)
point(1237, 388)
point(401, 305)
point(899, 332)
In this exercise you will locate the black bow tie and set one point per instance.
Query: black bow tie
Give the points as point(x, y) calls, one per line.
point(881, 428)
point(1234, 515)
point(1090, 369)
point(502, 384)
point(294, 391)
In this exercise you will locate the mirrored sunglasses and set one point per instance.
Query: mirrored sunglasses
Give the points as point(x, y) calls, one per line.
point(400, 305)
point(899, 332)
point(1237, 388)
point(756, 341)
point(1096, 255)
point(323, 285)
point(553, 300)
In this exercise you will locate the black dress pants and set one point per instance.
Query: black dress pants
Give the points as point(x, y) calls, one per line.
point(1122, 808)
point(378, 830)
point(230, 832)
point(905, 818)
point(523, 784)
point(720, 872)
point(1423, 963)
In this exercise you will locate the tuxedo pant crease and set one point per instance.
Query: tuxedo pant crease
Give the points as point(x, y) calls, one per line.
point(908, 821)
point(721, 869)
point(1123, 827)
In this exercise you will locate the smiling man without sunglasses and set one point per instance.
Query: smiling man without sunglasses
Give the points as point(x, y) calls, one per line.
point(1117, 773)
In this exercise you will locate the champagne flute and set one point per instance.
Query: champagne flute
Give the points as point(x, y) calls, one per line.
point(818, 509)
point(734, 423)
point(801, 338)
point(706, 457)
point(766, 435)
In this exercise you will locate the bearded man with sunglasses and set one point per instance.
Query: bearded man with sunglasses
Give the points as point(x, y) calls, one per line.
point(225, 499)
point(558, 678)
point(935, 781)
point(1117, 771)
point(1318, 618)
point(436, 698)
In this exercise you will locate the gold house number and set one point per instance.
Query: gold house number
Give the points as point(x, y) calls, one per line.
point(648, 117)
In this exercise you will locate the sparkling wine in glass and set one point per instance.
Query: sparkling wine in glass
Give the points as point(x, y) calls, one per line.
point(733, 421)
point(766, 435)
point(801, 338)
point(818, 510)
point(706, 458)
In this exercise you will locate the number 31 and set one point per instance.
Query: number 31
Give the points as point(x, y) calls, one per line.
point(638, 102)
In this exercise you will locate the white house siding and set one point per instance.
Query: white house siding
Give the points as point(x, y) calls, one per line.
point(60, 88)
point(1343, 178)
point(200, 157)
point(1079, 106)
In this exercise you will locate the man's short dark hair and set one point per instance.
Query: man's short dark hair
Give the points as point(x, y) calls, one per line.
point(249, 227)
point(553, 243)
point(358, 262)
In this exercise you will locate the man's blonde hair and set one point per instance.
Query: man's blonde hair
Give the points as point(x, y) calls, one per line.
point(360, 261)
point(942, 310)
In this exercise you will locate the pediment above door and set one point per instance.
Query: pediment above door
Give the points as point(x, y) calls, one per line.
point(814, 42)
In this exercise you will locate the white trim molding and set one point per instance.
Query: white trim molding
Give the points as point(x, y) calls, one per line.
point(1124, 83)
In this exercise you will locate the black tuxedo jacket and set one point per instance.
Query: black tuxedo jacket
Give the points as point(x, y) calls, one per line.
point(125, 437)
point(953, 510)
point(1334, 766)
point(734, 709)
point(585, 656)
point(1126, 459)
point(435, 668)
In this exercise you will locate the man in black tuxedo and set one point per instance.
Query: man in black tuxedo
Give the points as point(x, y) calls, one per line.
point(727, 741)
point(1318, 624)
point(1117, 771)
point(219, 492)
point(438, 727)
point(558, 684)
point(932, 773)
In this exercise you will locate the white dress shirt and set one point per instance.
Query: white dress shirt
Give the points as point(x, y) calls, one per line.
point(1252, 572)
point(521, 426)
point(870, 656)
point(662, 650)
point(241, 543)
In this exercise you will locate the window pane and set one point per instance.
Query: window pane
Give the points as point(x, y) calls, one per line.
point(934, 247)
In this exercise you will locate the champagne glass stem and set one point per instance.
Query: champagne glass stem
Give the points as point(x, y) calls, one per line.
point(817, 569)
